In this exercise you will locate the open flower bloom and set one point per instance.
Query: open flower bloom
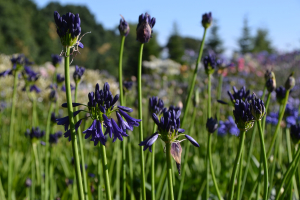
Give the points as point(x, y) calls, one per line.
point(30, 78)
point(241, 94)
point(101, 105)
point(19, 62)
point(169, 131)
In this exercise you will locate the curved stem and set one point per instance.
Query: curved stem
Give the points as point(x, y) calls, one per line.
point(239, 195)
point(187, 102)
point(292, 168)
point(47, 152)
point(105, 169)
point(265, 161)
point(85, 187)
point(72, 126)
point(208, 140)
point(169, 170)
point(140, 116)
point(11, 137)
point(211, 166)
point(237, 160)
point(153, 166)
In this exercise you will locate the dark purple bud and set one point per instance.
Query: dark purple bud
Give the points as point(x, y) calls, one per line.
point(124, 27)
point(126, 109)
point(192, 140)
point(206, 20)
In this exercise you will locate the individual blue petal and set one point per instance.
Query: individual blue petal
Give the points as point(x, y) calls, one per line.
point(180, 130)
point(65, 105)
point(149, 142)
point(130, 120)
point(126, 109)
point(192, 140)
point(122, 123)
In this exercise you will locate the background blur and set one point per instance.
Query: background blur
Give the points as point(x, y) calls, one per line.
point(28, 27)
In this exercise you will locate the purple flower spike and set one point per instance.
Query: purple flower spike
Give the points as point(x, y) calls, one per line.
point(192, 140)
point(149, 142)
point(91, 130)
point(130, 120)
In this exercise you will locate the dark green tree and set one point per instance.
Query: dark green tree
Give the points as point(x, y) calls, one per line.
point(261, 42)
point(175, 45)
point(245, 42)
point(214, 42)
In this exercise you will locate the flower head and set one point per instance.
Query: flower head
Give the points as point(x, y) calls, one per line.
point(59, 79)
point(156, 105)
point(34, 133)
point(241, 94)
point(258, 109)
point(78, 73)
point(127, 85)
point(270, 80)
point(210, 64)
point(211, 125)
point(144, 28)
point(56, 60)
point(30, 78)
point(280, 94)
point(53, 96)
point(68, 28)
point(124, 27)
point(19, 62)
point(243, 116)
point(295, 132)
point(290, 82)
point(53, 138)
point(206, 20)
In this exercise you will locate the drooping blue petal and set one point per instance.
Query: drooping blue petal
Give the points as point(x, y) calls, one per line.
point(192, 140)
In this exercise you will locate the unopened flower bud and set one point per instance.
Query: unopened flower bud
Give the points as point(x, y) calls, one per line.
point(271, 85)
point(53, 96)
point(290, 82)
point(124, 27)
point(258, 109)
point(206, 20)
point(243, 116)
point(79, 71)
point(211, 125)
point(209, 64)
point(144, 28)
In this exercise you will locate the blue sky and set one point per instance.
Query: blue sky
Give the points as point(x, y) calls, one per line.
point(281, 18)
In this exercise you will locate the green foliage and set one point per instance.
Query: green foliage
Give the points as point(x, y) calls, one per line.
point(214, 42)
point(261, 42)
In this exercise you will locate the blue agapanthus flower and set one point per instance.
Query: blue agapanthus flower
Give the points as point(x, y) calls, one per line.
point(30, 78)
point(241, 94)
point(206, 20)
point(144, 28)
point(56, 60)
point(124, 27)
point(53, 138)
point(18, 62)
point(101, 106)
point(78, 73)
point(228, 126)
point(34, 132)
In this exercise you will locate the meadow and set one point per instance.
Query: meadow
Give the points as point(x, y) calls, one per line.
point(210, 137)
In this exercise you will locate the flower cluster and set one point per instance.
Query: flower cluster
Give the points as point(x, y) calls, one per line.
point(241, 94)
point(78, 73)
point(30, 77)
point(156, 105)
point(210, 64)
point(295, 133)
point(124, 27)
point(56, 60)
point(206, 20)
point(101, 105)
point(228, 126)
point(242, 114)
point(53, 138)
point(258, 109)
point(68, 29)
point(144, 28)
point(34, 133)
point(19, 62)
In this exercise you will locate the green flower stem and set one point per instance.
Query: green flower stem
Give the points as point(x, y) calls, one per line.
point(169, 171)
point(33, 179)
point(122, 104)
point(265, 161)
point(153, 166)
point(11, 137)
point(161, 182)
point(248, 159)
point(292, 169)
point(34, 118)
point(186, 155)
point(47, 152)
point(187, 102)
point(278, 124)
point(72, 126)
point(208, 138)
point(52, 180)
point(140, 116)
point(289, 150)
point(84, 177)
point(267, 106)
point(41, 152)
point(239, 195)
point(211, 166)
point(99, 174)
point(37, 163)
point(130, 169)
point(219, 93)
point(237, 160)
point(273, 166)
point(105, 169)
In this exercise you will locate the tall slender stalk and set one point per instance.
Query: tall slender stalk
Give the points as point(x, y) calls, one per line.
point(105, 169)
point(187, 102)
point(237, 160)
point(33, 179)
point(267, 106)
point(169, 170)
point(140, 116)
point(37, 163)
point(122, 104)
point(84, 177)
point(219, 93)
point(99, 175)
point(11, 137)
point(72, 126)
point(186, 153)
point(153, 166)
point(239, 195)
point(47, 153)
point(265, 161)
